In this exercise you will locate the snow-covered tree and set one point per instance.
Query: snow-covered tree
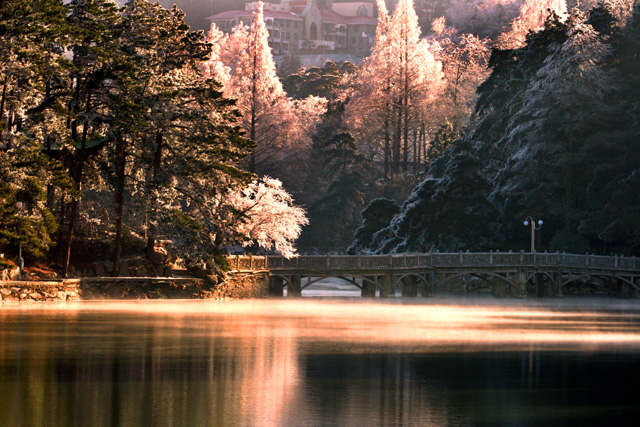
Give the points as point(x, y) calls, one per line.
point(464, 60)
point(533, 14)
point(560, 106)
point(265, 215)
point(482, 18)
point(398, 84)
point(213, 68)
point(255, 84)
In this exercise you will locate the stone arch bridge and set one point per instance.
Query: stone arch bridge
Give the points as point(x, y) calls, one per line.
point(514, 273)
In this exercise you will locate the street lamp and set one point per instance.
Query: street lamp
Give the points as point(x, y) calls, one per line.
point(534, 226)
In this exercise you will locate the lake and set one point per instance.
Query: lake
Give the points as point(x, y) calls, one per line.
point(317, 361)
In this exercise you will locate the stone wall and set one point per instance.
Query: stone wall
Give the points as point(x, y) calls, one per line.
point(58, 290)
point(236, 286)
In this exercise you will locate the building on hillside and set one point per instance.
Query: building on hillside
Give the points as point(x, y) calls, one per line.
point(304, 27)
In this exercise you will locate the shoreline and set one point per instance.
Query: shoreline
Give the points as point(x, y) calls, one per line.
point(88, 288)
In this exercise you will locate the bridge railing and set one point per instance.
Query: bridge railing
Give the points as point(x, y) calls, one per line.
point(461, 259)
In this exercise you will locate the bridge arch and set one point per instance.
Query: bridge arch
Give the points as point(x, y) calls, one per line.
point(476, 274)
point(353, 281)
point(600, 277)
point(286, 279)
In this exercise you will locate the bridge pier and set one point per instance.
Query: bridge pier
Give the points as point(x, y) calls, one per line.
point(368, 289)
point(557, 287)
point(498, 287)
point(410, 286)
point(387, 288)
point(624, 289)
point(429, 285)
point(276, 286)
point(539, 281)
point(295, 287)
point(520, 288)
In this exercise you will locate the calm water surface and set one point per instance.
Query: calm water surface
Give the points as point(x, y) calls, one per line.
point(320, 362)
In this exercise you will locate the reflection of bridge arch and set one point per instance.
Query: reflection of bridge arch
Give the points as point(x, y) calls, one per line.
point(428, 271)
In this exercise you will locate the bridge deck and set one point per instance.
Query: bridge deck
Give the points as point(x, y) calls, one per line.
point(462, 260)
point(515, 270)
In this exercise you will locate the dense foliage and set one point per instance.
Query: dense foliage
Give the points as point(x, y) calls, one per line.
point(554, 136)
point(121, 129)
point(111, 130)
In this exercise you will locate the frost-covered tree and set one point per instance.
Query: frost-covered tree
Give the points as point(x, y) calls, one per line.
point(546, 137)
point(464, 60)
point(370, 111)
point(397, 86)
point(549, 138)
point(533, 14)
point(448, 211)
point(213, 68)
point(255, 84)
point(482, 18)
point(375, 217)
point(264, 214)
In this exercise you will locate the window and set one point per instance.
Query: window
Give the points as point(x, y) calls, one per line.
point(313, 31)
point(362, 11)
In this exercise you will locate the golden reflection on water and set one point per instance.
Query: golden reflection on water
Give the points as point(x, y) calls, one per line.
point(374, 323)
point(281, 362)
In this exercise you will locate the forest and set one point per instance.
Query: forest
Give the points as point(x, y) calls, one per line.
point(124, 133)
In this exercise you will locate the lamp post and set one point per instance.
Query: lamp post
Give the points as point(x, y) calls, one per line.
point(534, 226)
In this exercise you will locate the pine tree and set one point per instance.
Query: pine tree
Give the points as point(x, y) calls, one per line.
point(30, 58)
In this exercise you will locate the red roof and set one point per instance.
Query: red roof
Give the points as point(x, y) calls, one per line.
point(328, 16)
point(331, 17)
point(281, 15)
point(230, 14)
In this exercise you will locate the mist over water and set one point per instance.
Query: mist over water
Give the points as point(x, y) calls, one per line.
point(319, 361)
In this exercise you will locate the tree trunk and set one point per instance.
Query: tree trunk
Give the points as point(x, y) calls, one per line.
point(69, 237)
point(119, 201)
point(397, 141)
point(254, 95)
point(4, 94)
point(387, 147)
point(77, 172)
point(416, 151)
point(151, 226)
point(405, 114)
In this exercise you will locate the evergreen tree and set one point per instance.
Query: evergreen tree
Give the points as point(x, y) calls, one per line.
point(441, 141)
point(375, 217)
